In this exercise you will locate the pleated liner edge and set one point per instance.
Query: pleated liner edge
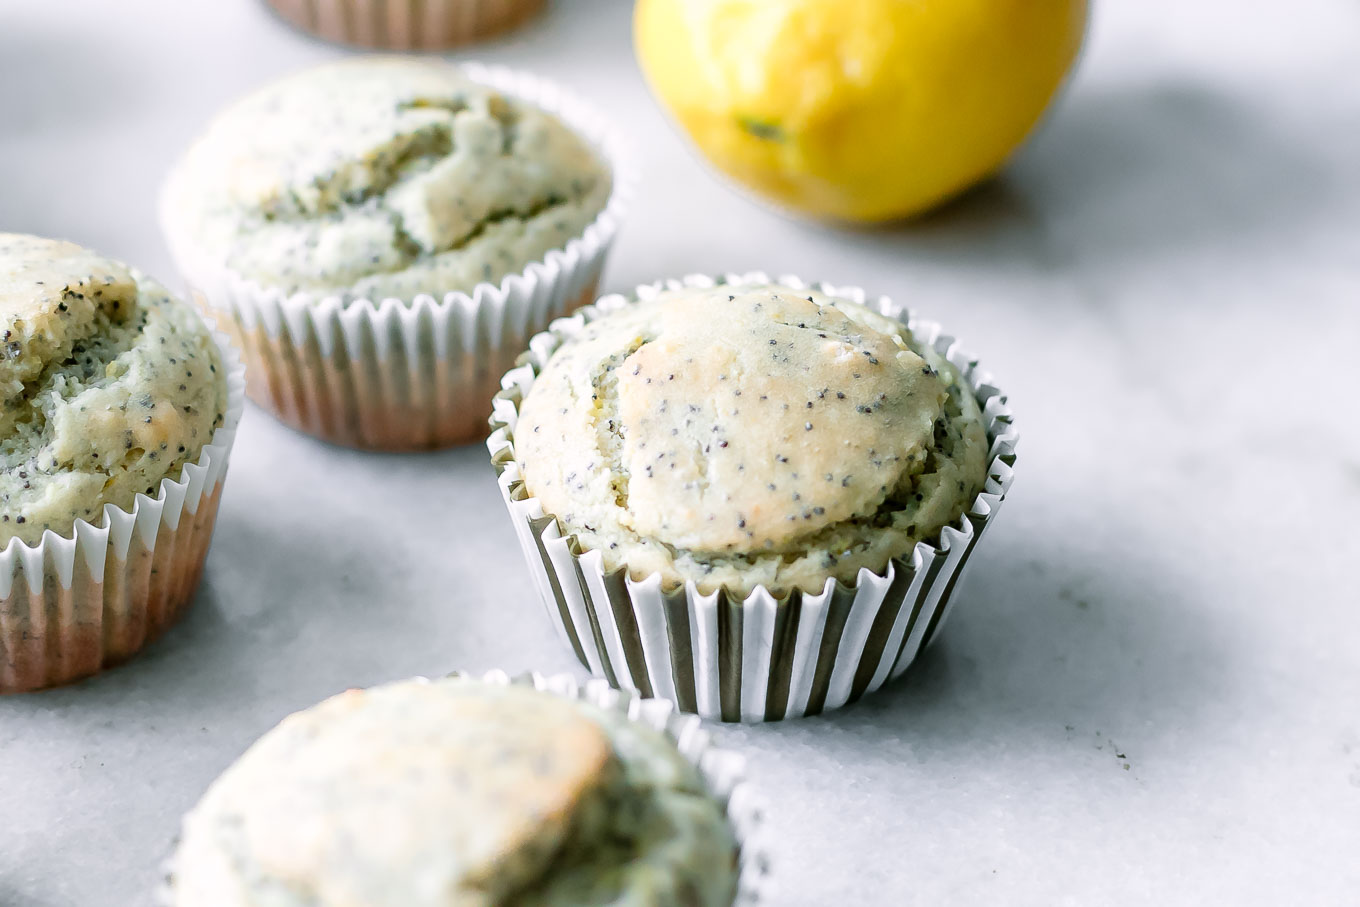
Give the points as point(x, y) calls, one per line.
point(413, 373)
point(763, 658)
point(70, 607)
point(406, 24)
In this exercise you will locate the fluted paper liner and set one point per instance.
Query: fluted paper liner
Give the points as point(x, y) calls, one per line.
point(407, 374)
point(406, 24)
point(763, 658)
point(70, 607)
point(723, 771)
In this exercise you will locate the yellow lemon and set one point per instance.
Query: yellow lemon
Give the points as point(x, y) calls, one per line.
point(863, 110)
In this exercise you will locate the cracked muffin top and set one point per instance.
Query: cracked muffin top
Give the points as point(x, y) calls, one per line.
point(754, 435)
point(382, 177)
point(109, 383)
point(456, 793)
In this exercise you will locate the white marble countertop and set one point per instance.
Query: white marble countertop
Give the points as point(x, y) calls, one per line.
point(1150, 690)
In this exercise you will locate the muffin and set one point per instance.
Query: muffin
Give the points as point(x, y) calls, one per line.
point(406, 24)
point(756, 481)
point(115, 393)
point(383, 234)
point(462, 791)
point(750, 436)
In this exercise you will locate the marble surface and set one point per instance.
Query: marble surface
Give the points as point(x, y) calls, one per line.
point(1150, 690)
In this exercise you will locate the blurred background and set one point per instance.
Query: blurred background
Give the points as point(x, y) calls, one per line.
point(1147, 694)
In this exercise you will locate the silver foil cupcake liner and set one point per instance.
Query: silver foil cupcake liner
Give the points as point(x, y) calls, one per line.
point(417, 373)
point(761, 658)
point(723, 772)
point(406, 24)
point(70, 607)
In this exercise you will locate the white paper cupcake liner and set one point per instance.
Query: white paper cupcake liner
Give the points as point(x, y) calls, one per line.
point(765, 657)
point(406, 24)
point(723, 772)
point(70, 607)
point(417, 373)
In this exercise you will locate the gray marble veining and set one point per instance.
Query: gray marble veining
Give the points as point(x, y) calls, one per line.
point(1148, 693)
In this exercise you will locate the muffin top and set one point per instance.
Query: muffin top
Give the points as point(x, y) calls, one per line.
point(755, 435)
point(455, 793)
point(382, 177)
point(109, 384)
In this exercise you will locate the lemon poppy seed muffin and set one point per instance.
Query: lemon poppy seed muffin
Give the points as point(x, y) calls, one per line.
point(109, 383)
point(383, 177)
point(456, 793)
point(744, 436)
point(381, 237)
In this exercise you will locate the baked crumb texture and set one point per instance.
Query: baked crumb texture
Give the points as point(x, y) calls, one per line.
point(384, 177)
point(458, 792)
point(116, 410)
point(382, 236)
point(737, 437)
point(752, 497)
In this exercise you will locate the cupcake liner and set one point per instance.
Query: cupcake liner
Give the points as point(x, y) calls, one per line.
point(407, 374)
point(406, 24)
point(70, 607)
point(723, 772)
point(763, 658)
